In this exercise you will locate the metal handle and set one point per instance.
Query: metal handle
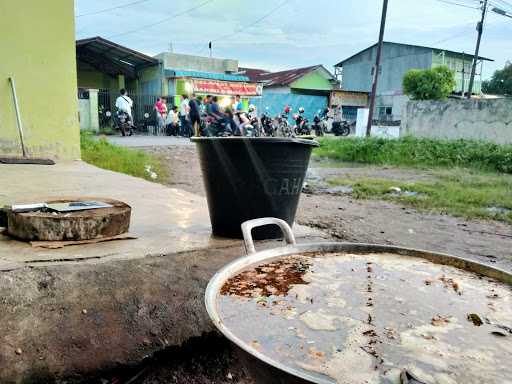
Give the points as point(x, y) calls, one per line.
point(18, 116)
point(249, 225)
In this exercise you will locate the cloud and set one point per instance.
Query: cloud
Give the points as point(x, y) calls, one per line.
point(299, 33)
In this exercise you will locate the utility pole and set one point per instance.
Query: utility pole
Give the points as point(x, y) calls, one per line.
point(463, 73)
point(210, 48)
point(377, 66)
point(480, 29)
point(171, 48)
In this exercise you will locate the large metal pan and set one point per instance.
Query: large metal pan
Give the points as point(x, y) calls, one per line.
point(268, 371)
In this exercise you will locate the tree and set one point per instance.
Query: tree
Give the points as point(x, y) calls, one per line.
point(500, 82)
point(429, 84)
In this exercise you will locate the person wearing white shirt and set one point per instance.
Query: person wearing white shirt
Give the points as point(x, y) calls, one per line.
point(171, 122)
point(125, 104)
point(184, 108)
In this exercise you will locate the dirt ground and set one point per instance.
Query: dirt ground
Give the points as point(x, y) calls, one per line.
point(345, 219)
point(371, 221)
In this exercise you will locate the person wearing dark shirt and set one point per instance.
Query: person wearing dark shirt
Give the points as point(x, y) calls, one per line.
point(194, 115)
point(208, 104)
point(215, 109)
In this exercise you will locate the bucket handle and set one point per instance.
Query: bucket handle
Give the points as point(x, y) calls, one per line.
point(249, 225)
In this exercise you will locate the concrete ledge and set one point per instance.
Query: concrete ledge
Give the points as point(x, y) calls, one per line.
point(66, 314)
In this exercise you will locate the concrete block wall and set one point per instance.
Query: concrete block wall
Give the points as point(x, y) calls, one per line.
point(489, 120)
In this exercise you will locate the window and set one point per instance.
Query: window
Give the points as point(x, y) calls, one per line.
point(385, 113)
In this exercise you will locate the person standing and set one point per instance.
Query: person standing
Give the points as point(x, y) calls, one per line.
point(184, 117)
point(160, 119)
point(239, 106)
point(163, 113)
point(194, 115)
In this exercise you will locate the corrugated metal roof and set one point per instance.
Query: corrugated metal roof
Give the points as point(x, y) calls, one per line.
point(285, 77)
point(109, 50)
point(169, 72)
point(340, 64)
point(252, 73)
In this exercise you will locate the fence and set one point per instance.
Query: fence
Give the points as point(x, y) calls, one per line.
point(104, 105)
point(143, 108)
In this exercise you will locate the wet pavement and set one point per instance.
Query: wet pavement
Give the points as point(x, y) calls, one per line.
point(165, 220)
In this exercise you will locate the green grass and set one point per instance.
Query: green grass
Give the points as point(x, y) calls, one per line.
point(416, 152)
point(456, 192)
point(101, 153)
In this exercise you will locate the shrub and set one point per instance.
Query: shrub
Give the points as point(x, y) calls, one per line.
point(410, 151)
point(429, 84)
point(501, 81)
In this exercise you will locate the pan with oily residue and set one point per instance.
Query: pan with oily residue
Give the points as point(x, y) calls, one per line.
point(358, 313)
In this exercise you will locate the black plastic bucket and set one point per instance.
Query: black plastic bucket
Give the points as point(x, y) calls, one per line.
point(248, 178)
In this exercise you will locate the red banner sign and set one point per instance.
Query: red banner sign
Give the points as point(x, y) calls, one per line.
point(227, 88)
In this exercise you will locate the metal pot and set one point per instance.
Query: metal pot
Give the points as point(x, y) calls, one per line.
point(269, 371)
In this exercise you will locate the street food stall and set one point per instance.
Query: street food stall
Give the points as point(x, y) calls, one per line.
point(224, 86)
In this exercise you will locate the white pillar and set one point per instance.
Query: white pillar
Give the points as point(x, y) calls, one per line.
point(94, 123)
point(362, 121)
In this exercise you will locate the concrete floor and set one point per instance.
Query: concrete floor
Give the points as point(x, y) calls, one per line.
point(165, 220)
point(75, 311)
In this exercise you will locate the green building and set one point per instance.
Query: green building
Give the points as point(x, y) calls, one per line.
point(37, 48)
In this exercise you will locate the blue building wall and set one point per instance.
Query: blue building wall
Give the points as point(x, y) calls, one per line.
point(277, 101)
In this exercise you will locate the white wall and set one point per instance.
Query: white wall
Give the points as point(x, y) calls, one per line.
point(389, 132)
point(489, 120)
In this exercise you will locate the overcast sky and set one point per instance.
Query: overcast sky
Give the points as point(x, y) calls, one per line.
point(281, 34)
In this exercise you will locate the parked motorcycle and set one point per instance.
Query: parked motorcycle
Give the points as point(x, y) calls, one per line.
point(104, 117)
point(253, 121)
point(301, 123)
point(340, 128)
point(267, 125)
point(319, 124)
point(282, 123)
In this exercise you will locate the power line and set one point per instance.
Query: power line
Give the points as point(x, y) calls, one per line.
point(227, 36)
point(163, 20)
point(472, 23)
point(458, 4)
point(111, 9)
point(253, 23)
point(501, 4)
